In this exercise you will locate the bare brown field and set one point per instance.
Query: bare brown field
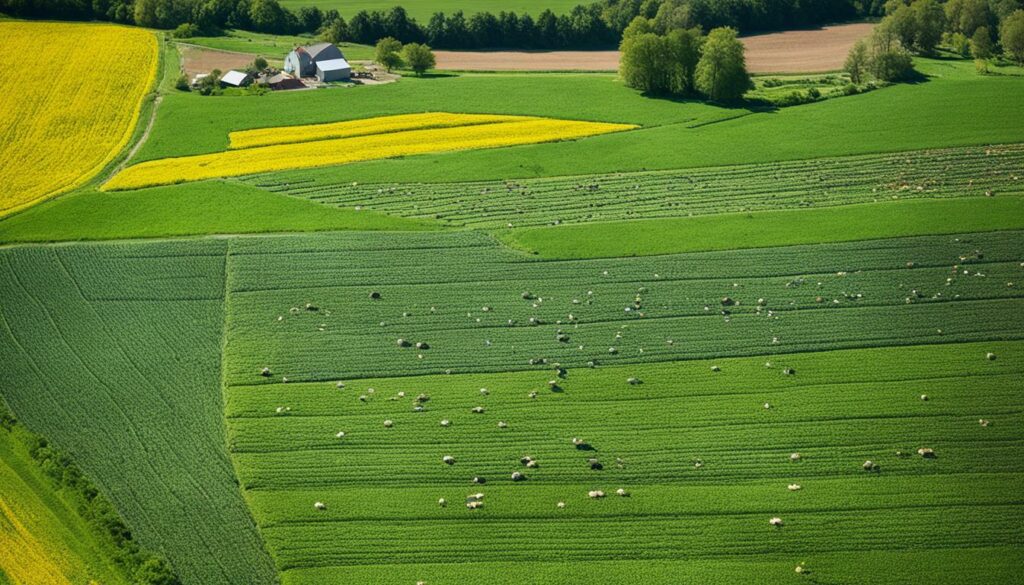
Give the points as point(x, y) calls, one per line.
point(196, 60)
point(800, 51)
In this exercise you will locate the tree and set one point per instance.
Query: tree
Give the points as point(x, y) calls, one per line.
point(259, 64)
point(721, 73)
point(981, 43)
point(638, 26)
point(1011, 34)
point(929, 22)
point(418, 57)
point(335, 31)
point(389, 53)
point(857, 62)
point(684, 53)
point(643, 62)
point(888, 59)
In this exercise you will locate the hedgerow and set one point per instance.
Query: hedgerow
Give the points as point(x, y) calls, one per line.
point(138, 563)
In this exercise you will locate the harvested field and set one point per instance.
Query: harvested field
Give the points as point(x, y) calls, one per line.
point(799, 51)
point(195, 60)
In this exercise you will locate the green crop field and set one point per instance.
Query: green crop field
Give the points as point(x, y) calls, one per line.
point(737, 344)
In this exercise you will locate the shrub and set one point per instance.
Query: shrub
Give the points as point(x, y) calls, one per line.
point(418, 57)
point(185, 31)
point(182, 83)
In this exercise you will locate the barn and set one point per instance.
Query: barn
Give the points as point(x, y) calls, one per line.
point(333, 70)
point(302, 61)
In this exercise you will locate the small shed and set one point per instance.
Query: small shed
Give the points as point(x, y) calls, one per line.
point(235, 79)
point(282, 81)
point(333, 70)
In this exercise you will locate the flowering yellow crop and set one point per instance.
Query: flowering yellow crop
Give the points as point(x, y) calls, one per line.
point(364, 127)
point(347, 150)
point(69, 99)
point(23, 558)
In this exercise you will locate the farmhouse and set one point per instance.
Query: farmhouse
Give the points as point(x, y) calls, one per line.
point(302, 61)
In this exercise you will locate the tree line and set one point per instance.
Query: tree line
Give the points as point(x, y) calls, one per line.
point(971, 28)
point(599, 24)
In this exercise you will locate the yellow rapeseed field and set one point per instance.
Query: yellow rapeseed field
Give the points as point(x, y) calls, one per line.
point(364, 127)
point(23, 558)
point(69, 100)
point(347, 150)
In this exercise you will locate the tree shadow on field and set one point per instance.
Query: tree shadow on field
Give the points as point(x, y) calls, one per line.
point(753, 106)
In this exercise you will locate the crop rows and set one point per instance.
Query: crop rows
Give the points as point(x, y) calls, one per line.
point(704, 463)
point(337, 151)
point(950, 172)
point(112, 351)
point(463, 296)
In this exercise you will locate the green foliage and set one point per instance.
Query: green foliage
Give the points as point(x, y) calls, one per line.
point(185, 31)
point(721, 74)
point(1011, 35)
point(857, 62)
point(182, 83)
point(418, 57)
point(660, 63)
point(959, 43)
point(966, 16)
point(388, 53)
point(981, 44)
point(889, 59)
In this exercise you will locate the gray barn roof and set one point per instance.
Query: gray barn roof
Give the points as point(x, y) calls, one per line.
point(323, 52)
point(332, 65)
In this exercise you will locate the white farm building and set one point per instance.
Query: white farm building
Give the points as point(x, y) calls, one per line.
point(333, 70)
point(322, 60)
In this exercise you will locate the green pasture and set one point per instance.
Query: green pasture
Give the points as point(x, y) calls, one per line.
point(770, 228)
point(704, 463)
point(461, 294)
point(209, 207)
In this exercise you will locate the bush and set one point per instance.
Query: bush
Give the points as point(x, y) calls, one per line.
point(182, 83)
point(389, 53)
point(418, 57)
point(185, 31)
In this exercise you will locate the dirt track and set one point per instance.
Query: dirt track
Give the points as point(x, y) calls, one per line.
point(803, 51)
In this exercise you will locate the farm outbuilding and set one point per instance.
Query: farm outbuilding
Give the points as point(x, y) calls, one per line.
point(302, 62)
point(235, 79)
point(333, 70)
point(282, 81)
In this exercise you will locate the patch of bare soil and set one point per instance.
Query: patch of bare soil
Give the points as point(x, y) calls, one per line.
point(800, 51)
point(196, 60)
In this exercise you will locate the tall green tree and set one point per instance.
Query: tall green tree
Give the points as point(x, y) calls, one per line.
point(721, 73)
point(388, 53)
point(418, 57)
point(929, 22)
point(1011, 35)
point(857, 62)
point(643, 62)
